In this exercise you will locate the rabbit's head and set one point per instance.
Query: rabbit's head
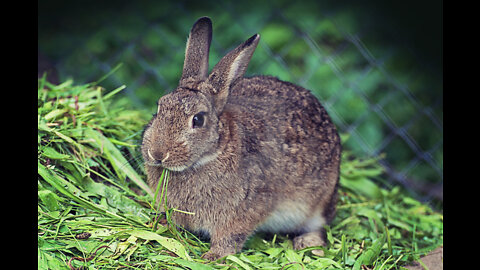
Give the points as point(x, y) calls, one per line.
point(185, 131)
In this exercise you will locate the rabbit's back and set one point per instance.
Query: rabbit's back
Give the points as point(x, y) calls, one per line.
point(289, 119)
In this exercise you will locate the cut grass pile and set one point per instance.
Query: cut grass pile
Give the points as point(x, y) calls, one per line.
point(95, 210)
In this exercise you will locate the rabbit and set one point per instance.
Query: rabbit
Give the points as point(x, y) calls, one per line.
point(244, 154)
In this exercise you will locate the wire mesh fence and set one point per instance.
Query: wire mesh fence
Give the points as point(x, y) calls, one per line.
point(384, 98)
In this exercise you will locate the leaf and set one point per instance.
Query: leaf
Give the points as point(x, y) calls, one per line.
point(121, 248)
point(293, 256)
point(273, 252)
point(51, 245)
point(49, 261)
point(54, 113)
point(372, 214)
point(362, 186)
point(192, 264)
point(85, 246)
point(116, 199)
point(168, 243)
point(49, 199)
point(323, 263)
point(51, 153)
point(238, 261)
point(102, 232)
point(399, 224)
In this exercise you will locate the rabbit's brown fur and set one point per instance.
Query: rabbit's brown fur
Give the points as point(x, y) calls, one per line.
point(265, 159)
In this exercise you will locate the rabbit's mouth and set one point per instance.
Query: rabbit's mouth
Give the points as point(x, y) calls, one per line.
point(169, 163)
point(165, 161)
point(176, 168)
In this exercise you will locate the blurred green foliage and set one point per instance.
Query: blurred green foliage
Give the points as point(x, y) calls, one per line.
point(376, 86)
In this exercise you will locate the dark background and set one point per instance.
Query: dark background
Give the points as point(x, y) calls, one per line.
point(377, 66)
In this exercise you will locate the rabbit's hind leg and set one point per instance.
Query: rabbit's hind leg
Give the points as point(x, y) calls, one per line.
point(310, 239)
point(313, 235)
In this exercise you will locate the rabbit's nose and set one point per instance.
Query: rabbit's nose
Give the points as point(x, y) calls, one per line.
point(155, 155)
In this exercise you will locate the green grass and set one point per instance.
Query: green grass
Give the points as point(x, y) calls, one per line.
point(90, 180)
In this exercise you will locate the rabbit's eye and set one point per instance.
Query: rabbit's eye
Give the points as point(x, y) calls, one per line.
point(198, 120)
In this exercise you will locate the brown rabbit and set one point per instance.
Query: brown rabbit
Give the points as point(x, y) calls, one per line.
point(244, 154)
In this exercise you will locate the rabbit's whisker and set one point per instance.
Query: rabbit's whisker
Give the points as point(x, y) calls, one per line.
point(168, 154)
point(150, 154)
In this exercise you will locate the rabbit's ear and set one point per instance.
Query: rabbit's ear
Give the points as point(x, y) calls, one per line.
point(231, 67)
point(196, 54)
